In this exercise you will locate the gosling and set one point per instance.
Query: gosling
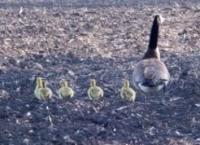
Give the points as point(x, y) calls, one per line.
point(151, 74)
point(65, 92)
point(127, 93)
point(42, 92)
point(94, 92)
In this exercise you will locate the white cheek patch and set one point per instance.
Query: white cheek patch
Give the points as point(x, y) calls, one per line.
point(162, 19)
point(150, 89)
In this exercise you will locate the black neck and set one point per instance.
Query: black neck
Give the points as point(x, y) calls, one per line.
point(151, 52)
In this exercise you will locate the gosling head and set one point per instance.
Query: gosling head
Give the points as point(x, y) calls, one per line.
point(63, 83)
point(39, 82)
point(92, 83)
point(126, 84)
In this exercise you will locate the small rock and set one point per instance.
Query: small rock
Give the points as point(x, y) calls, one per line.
point(68, 139)
point(38, 67)
point(2, 69)
point(28, 114)
point(70, 72)
point(31, 131)
point(197, 105)
point(12, 61)
point(4, 94)
point(26, 141)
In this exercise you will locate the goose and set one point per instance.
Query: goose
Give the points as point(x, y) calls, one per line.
point(127, 93)
point(94, 92)
point(151, 74)
point(42, 92)
point(65, 92)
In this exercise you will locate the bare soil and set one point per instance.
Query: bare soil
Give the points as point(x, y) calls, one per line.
point(102, 43)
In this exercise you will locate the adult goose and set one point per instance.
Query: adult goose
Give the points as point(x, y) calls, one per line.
point(151, 74)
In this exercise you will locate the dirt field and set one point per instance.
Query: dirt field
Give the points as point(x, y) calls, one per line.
point(95, 3)
point(102, 43)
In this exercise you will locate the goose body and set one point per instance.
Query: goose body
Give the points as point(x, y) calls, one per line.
point(94, 92)
point(42, 92)
point(151, 74)
point(65, 92)
point(127, 93)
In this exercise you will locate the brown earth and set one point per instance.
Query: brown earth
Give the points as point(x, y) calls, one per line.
point(102, 43)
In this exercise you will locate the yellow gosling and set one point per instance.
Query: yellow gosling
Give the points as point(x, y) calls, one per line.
point(65, 92)
point(127, 93)
point(94, 92)
point(42, 92)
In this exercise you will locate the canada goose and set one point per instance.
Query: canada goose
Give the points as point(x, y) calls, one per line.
point(42, 92)
point(65, 92)
point(127, 93)
point(151, 74)
point(94, 92)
